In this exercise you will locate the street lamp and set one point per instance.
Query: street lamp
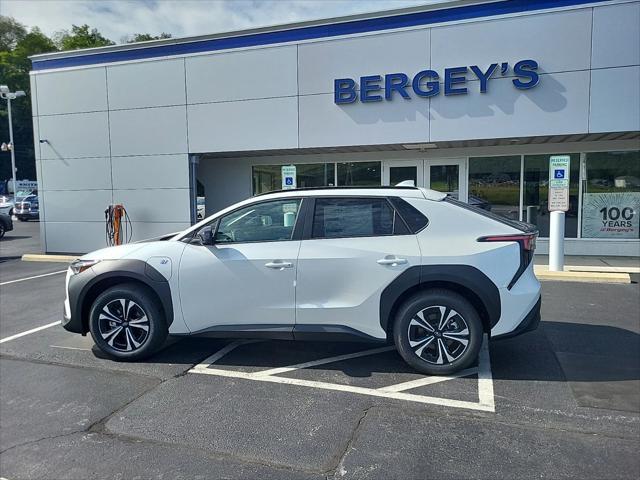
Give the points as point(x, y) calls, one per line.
point(8, 95)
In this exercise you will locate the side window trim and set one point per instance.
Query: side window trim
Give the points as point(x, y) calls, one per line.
point(311, 212)
point(217, 220)
point(393, 200)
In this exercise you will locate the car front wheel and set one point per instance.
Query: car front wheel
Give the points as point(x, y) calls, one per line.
point(126, 322)
point(438, 332)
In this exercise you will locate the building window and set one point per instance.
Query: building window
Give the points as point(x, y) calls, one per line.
point(360, 174)
point(611, 195)
point(267, 178)
point(536, 189)
point(494, 184)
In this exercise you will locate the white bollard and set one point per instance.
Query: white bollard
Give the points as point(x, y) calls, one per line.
point(556, 242)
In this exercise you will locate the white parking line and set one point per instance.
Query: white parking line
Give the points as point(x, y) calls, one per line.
point(323, 361)
point(397, 392)
point(423, 382)
point(31, 278)
point(33, 330)
point(222, 352)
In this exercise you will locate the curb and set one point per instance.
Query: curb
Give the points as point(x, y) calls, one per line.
point(587, 277)
point(37, 257)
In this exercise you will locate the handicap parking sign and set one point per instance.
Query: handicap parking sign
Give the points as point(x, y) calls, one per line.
point(288, 181)
point(559, 173)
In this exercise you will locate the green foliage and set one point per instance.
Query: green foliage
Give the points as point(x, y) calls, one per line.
point(11, 32)
point(81, 37)
point(16, 45)
point(145, 37)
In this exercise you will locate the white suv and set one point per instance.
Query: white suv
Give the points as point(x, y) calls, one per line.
point(377, 264)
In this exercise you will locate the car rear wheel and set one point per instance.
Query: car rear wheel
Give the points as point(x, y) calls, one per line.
point(2, 230)
point(126, 322)
point(438, 332)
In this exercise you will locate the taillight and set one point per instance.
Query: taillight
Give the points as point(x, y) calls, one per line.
point(527, 243)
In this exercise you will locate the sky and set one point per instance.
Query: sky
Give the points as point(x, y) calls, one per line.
point(116, 19)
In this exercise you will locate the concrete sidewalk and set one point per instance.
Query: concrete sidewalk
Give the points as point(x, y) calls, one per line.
point(583, 263)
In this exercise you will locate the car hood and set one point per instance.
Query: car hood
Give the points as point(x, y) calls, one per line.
point(113, 253)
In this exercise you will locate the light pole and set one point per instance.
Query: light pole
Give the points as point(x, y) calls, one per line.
point(8, 95)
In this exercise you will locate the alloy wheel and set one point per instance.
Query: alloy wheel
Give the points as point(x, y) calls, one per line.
point(124, 325)
point(438, 335)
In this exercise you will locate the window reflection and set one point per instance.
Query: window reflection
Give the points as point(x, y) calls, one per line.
point(494, 184)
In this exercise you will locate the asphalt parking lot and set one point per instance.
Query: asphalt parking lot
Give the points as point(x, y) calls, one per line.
point(560, 402)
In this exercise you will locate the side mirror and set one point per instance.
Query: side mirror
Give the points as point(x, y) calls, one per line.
point(206, 236)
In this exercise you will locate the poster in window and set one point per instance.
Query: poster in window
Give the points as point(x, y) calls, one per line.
point(611, 215)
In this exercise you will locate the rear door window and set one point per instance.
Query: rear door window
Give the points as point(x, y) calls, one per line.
point(352, 217)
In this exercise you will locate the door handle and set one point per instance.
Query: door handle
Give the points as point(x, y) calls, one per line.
point(278, 265)
point(392, 260)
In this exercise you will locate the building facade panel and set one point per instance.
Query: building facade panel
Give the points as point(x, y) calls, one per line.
point(243, 75)
point(325, 124)
point(150, 171)
point(148, 131)
point(319, 63)
point(616, 36)
point(72, 91)
point(559, 106)
point(74, 135)
point(74, 237)
point(75, 174)
point(243, 125)
point(557, 41)
point(168, 205)
point(146, 84)
point(77, 205)
point(615, 108)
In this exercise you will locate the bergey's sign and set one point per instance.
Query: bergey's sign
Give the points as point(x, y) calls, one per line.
point(375, 88)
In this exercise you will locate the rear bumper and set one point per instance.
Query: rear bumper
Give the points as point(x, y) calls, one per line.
point(529, 322)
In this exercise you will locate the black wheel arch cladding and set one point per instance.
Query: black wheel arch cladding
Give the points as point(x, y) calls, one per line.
point(464, 279)
point(86, 286)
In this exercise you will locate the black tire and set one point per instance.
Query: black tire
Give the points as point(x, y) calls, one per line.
point(22, 219)
point(423, 348)
point(2, 230)
point(129, 343)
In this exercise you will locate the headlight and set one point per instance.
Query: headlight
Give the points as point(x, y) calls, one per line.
point(79, 266)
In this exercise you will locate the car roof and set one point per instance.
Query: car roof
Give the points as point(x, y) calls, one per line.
point(406, 192)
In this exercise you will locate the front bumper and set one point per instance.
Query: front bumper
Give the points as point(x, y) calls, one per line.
point(29, 215)
point(529, 323)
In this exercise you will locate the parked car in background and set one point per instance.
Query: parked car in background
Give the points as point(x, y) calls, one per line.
point(6, 225)
point(6, 205)
point(27, 209)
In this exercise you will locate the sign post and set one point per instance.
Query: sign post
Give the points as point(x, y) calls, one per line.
point(288, 177)
point(558, 205)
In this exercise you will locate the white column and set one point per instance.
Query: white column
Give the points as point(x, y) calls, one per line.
point(556, 242)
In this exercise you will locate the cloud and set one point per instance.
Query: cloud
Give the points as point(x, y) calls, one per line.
point(117, 19)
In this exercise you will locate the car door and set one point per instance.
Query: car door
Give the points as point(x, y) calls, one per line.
point(356, 247)
point(246, 279)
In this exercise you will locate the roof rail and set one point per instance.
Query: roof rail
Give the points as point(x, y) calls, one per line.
point(345, 187)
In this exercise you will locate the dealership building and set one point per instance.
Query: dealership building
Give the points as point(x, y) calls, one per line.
point(467, 97)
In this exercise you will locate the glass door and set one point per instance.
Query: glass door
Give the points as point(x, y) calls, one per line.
point(396, 172)
point(447, 175)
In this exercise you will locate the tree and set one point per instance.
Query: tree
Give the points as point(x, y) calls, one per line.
point(81, 37)
point(145, 37)
point(15, 48)
point(11, 32)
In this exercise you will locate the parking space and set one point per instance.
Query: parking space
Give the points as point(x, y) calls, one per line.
point(563, 401)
